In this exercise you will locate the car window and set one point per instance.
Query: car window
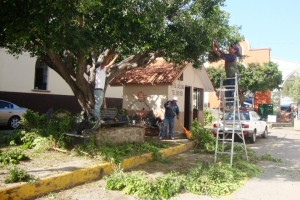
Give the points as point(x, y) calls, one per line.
point(243, 116)
point(4, 105)
point(255, 116)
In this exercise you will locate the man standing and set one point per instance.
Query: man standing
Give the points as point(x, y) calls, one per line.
point(100, 77)
point(230, 67)
point(171, 110)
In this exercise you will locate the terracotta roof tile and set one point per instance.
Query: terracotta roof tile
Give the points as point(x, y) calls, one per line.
point(157, 72)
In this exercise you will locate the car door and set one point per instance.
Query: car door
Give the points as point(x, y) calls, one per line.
point(258, 122)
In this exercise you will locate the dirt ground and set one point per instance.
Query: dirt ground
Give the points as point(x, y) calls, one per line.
point(46, 164)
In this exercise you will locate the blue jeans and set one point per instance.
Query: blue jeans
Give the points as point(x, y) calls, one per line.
point(170, 122)
point(229, 94)
point(98, 95)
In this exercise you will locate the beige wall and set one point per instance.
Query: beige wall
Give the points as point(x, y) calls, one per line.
point(154, 98)
point(17, 75)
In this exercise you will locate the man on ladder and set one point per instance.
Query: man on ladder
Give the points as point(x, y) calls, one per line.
point(229, 103)
point(230, 66)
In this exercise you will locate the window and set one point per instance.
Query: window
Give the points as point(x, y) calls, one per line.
point(198, 99)
point(180, 77)
point(5, 105)
point(41, 76)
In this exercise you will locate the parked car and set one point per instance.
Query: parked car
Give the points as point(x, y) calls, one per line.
point(252, 125)
point(10, 114)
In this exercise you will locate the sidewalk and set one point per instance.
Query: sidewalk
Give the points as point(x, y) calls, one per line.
point(77, 176)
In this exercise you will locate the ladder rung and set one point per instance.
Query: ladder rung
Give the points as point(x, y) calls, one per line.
point(235, 128)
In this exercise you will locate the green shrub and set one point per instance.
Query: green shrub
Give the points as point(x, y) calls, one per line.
point(12, 156)
point(208, 117)
point(18, 175)
point(205, 141)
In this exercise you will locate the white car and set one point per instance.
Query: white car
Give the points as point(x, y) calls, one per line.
point(10, 114)
point(252, 125)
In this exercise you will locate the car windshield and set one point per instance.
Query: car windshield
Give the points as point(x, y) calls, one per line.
point(243, 116)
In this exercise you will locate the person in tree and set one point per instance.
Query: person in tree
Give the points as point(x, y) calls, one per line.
point(100, 77)
point(230, 66)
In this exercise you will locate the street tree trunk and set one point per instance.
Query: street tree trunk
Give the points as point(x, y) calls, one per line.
point(82, 87)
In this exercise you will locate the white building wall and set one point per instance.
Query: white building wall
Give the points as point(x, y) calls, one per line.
point(155, 97)
point(17, 75)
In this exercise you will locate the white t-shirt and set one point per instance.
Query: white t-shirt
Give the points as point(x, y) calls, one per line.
point(100, 78)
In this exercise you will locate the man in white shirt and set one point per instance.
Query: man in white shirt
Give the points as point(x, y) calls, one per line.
point(100, 77)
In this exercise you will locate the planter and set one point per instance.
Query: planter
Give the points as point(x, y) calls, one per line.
point(117, 135)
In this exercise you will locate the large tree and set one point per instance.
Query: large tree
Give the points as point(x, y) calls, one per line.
point(71, 35)
point(253, 78)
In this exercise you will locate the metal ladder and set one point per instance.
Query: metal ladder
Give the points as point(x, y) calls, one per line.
point(234, 124)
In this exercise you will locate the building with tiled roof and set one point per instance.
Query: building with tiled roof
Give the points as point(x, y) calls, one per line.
point(150, 87)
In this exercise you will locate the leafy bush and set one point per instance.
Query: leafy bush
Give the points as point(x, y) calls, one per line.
point(12, 157)
point(18, 175)
point(208, 117)
point(51, 125)
point(205, 141)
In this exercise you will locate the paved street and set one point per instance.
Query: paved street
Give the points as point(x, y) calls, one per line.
point(279, 181)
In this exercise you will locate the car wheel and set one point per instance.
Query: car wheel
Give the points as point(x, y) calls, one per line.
point(253, 137)
point(265, 133)
point(14, 122)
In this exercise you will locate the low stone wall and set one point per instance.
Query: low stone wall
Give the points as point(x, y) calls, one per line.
point(118, 135)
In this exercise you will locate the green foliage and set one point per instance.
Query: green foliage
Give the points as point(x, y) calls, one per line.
point(169, 185)
point(268, 157)
point(257, 78)
point(205, 141)
point(41, 144)
point(215, 75)
point(115, 153)
point(77, 32)
point(292, 88)
point(253, 78)
point(208, 117)
point(18, 175)
point(51, 125)
point(213, 179)
point(32, 120)
point(12, 156)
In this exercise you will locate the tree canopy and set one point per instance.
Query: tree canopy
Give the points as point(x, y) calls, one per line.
point(292, 88)
point(253, 78)
point(70, 36)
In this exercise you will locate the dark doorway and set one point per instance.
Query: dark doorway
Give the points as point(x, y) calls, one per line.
point(187, 107)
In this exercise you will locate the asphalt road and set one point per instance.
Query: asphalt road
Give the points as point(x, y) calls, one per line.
point(279, 181)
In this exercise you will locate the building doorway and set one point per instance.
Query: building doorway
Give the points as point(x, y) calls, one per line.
point(187, 107)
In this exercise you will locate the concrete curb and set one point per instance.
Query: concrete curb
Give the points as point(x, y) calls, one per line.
point(72, 178)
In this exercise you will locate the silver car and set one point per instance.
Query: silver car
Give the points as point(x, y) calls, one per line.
point(251, 123)
point(10, 114)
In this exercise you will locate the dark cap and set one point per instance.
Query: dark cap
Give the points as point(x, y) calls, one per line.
point(237, 50)
point(98, 64)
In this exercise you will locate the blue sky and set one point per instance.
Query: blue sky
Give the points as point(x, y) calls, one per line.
point(271, 24)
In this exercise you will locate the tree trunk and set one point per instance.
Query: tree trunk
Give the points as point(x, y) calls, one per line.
point(83, 88)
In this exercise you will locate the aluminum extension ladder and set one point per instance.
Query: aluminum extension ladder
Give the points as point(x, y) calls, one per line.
point(233, 124)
